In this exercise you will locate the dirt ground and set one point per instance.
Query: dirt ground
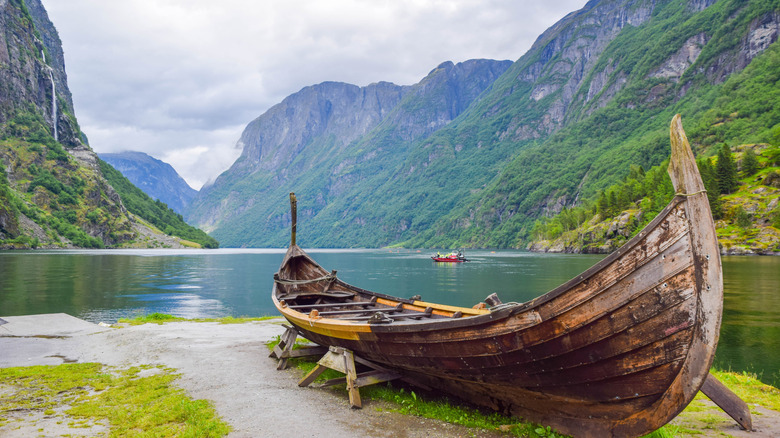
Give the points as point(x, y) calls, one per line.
point(229, 365)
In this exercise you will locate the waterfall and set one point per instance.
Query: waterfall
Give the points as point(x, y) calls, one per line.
point(53, 96)
point(53, 104)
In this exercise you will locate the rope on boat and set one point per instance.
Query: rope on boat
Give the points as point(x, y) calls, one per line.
point(329, 277)
point(690, 194)
point(504, 306)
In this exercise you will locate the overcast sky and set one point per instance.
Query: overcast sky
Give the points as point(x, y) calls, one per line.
point(180, 79)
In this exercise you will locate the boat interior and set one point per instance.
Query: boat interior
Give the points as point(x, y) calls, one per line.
point(328, 297)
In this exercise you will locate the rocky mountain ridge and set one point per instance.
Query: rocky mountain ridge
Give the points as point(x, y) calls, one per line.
point(602, 106)
point(322, 134)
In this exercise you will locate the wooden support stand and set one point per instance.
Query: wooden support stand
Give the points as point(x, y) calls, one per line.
point(284, 349)
point(728, 401)
point(342, 360)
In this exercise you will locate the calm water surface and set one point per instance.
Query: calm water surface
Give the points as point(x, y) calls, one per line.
point(109, 284)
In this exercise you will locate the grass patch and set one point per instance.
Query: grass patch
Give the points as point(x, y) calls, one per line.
point(153, 318)
point(140, 401)
point(749, 388)
point(160, 318)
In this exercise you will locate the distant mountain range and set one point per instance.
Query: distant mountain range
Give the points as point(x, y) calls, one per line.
point(476, 151)
point(325, 141)
point(156, 178)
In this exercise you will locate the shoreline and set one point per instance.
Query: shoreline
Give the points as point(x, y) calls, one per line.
point(538, 248)
point(228, 364)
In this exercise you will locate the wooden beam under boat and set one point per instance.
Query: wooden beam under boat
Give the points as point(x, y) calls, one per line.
point(617, 351)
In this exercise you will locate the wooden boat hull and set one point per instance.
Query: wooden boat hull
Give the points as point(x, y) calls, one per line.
point(617, 351)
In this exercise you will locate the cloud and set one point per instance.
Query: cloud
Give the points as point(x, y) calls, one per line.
point(179, 79)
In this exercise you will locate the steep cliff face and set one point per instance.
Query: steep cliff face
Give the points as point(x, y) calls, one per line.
point(324, 139)
point(52, 191)
point(294, 130)
point(558, 64)
point(156, 178)
point(31, 59)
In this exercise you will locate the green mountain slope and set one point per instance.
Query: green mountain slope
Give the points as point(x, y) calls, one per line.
point(53, 193)
point(595, 149)
point(330, 143)
point(747, 214)
point(155, 212)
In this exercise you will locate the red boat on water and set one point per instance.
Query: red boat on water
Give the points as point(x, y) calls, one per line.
point(453, 257)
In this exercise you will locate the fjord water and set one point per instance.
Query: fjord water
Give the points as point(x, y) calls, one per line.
point(105, 285)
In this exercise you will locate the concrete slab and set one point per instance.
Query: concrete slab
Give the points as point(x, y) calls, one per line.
point(47, 339)
point(51, 325)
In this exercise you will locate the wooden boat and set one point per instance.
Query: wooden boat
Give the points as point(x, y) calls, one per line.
point(617, 351)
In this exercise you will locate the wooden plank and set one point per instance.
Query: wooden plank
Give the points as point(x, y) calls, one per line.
point(330, 305)
point(364, 379)
point(731, 404)
point(315, 294)
point(394, 316)
point(282, 349)
point(308, 352)
point(312, 375)
point(334, 360)
point(358, 311)
point(351, 372)
point(374, 377)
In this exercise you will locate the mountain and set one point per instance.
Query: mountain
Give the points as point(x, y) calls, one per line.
point(53, 192)
point(156, 178)
point(592, 96)
point(324, 141)
point(713, 62)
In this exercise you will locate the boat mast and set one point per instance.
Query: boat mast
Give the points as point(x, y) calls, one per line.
point(294, 216)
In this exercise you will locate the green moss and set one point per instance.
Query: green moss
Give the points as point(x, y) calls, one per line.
point(160, 318)
point(131, 404)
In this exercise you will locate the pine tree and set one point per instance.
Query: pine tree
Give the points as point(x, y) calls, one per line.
point(726, 171)
point(602, 205)
point(749, 163)
point(710, 180)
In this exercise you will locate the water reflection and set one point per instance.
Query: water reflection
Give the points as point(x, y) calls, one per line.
point(111, 284)
point(107, 285)
point(750, 333)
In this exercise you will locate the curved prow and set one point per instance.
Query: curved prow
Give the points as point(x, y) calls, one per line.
point(682, 166)
point(294, 217)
